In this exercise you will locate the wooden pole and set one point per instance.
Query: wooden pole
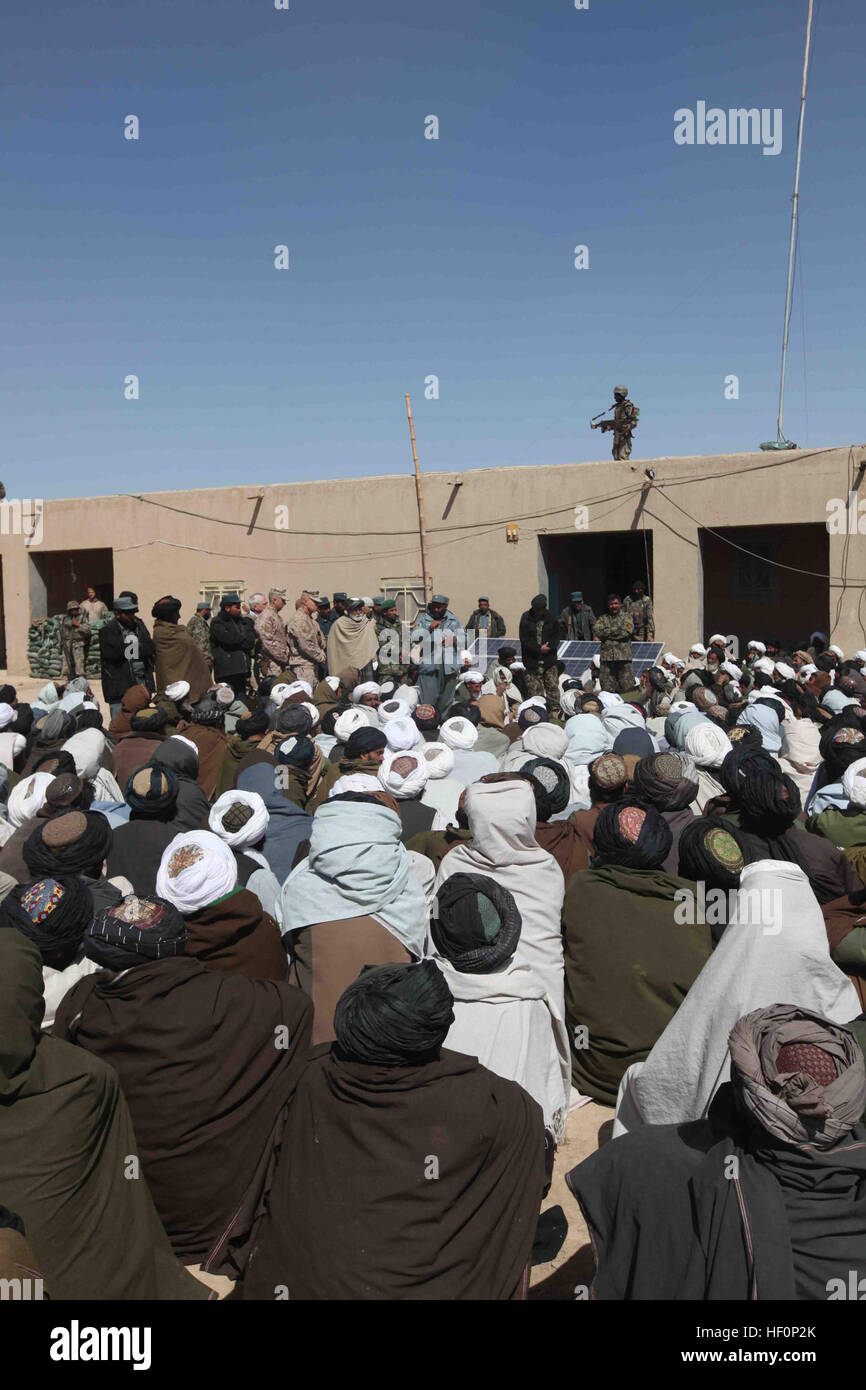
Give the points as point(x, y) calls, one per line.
point(419, 493)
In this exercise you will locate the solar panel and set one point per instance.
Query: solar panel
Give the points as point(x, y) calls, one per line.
point(493, 646)
point(577, 656)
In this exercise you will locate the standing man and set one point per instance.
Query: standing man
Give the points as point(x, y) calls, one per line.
point(93, 608)
point(639, 607)
point(127, 652)
point(441, 638)
point(325, 616)
point(306, 653)
point(178, 656)
point(615, 630)
point(623, 424)
point(74, 635)
point(577, 620)
point(232, 638)
point(388, 637)
point(198, 628)
point(486, 619)
point(340, 601)
point(539, 643)
point(271, 632)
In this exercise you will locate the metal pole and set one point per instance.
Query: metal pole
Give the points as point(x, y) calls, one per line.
point(794, 222)
point(422, 530)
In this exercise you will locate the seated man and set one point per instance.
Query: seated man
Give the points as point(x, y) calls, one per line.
point(406, 1171)
point(763, 1199)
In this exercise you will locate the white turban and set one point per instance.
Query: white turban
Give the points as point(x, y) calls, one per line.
point(474, 676)
point(386, 688)
point(861, 655)
point(403, 785)
point(393, 709)
point(718, 637)
point(534, 700)
point(333, 682)
point(854, 782)
point(596, 661)
point(7, 714)
point(28, 796)
point(786, 672)
point(568, 702)
point(697, 649)
point(279, 693)
point(300, 688)
point(252, 830)
point(669, 658)
point(351, 719)
point(837, 650)
point(312, 711)
point(732, 669)
point(179, 738)
point(367, 601)
point(681, 707)
point(10, 747)
point(607, 698)
point(806, 671)
point(757, 646)
point(355, 782)
point(408, 694)
point(519, 666)
point(196, 868)
point(177, 689)
point(708, 744)
point(364, 688)
point(439, 759)
point(402, 734)
point(545, 741)
point(764, 665)
point(457, 733)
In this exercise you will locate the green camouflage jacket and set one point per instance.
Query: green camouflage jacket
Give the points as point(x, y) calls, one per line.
point(641, 613)
point(615, 635)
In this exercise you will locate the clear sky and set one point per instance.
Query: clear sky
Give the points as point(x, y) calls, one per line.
point(410, 256)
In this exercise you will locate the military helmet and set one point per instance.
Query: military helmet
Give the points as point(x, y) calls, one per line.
point(620, 390)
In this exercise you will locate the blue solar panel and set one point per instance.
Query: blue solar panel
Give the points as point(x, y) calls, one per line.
point(577, 656)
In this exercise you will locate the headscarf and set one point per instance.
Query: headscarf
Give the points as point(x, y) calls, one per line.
point(707, 744)
point(835, 701)
point(403, 774)
point(551, 785)
point(854, 783)
point(667, 781)
point(615, 718)
point(439, 759)
point(402, 734)
point(476, 924)
point(760, 716)
point(631, 836)
point(712, 853)
point(196, 869)
point(791, 1103)
point(27, 796)
point(587, 738)
point(135, 931)
point(394, 1015)
point(52, 912)
point(545, 741)
point(75, 843)
point(357, 867)
point(363, 782)
point(151, 792)
point(227, 818)
point(459, 734)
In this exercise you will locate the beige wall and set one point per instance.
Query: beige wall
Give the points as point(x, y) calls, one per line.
point(352, 534)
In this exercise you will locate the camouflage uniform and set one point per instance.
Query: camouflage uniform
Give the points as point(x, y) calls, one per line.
point(389, 629)
point(623, 423)
point(198, 628)
point(640, 610)
point(615, 633)
point(74, 636)
point(541, 682)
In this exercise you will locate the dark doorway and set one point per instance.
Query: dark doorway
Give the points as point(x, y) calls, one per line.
point(747, 593)
point(599, 563)
point(56, 576)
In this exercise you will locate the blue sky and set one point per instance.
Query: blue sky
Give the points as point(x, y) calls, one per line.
point(411, 256)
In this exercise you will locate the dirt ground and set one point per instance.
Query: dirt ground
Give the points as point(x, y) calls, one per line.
point(587, 1129)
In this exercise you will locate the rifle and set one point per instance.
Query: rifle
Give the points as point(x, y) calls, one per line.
point(611, 424)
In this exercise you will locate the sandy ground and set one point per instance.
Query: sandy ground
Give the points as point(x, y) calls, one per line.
point(571, 1264)
point(562, 1230)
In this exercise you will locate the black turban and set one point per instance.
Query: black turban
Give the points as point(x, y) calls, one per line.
point(745, 736)
point(636, 742)
point(366, 740)
point(166, 608)
point(532, 715)
point(53, 913)
point(460, 710)
point(741, 763)
point(7, 694)
point(151, 792)
point(631, 836)
point(255, 723)
point(713, 853)
point(61, 761)
point(208, 711)
point(759, 787)
point(76, 842)
point(661, 780)
point(330, 718)
point(841, 744)
point(394, 1015)
point(296, 752)
point(551, 785)
point(151, 720)
point(55, 727)
point(426, 718)
point(23, 721)
point(135, 931)
point(84, 718)
point(292, 719)
point(477, 924)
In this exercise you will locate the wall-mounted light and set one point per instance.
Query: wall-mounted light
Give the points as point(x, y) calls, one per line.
point(512, 532)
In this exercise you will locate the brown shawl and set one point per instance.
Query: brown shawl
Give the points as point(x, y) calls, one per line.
point(66, 1150)
point(235, 935)
point(136, 698)
point(211, 744)
point(207, 1128)
point(131, 754)
point(415, 1182)
point(328, 956)
point(562, 839)
point(180, 658)
point(435, 844)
